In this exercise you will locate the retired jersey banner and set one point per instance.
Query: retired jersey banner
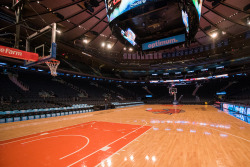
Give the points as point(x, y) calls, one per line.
point(164, 42)
point(18, 54)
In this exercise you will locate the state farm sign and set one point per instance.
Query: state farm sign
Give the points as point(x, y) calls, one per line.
point(18, 54)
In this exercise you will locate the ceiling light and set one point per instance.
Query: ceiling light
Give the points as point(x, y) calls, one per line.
point(58, 31)
point(130, 49)
point(86, 54)
point(7, 7)
point(124, 48)
point(37, 1)
point(223, 32)
point(248, 21)
point(214, 35)
point(85, 41)
point(103, 44)
point(109, 46)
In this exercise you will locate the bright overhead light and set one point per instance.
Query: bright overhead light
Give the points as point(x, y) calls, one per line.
point(7, 7)
point(58, 31)
point(130, 49)
point(248, 21)
point(85, 41)
point(124, 48)
point(37, 1)
point(214, 35)
point(109, 46)
point(223, 32)
point(103, 44)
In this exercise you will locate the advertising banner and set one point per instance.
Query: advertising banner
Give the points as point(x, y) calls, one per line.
point(18, 54)
point(164, 42)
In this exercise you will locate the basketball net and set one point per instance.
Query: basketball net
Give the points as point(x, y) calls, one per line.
point(53, 64)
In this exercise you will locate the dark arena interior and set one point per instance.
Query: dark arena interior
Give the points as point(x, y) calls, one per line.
point(165, 83)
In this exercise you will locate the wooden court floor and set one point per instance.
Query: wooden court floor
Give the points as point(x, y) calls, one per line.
point(143, 136)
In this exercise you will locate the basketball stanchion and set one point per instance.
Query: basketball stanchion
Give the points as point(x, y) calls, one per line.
point(53, 64)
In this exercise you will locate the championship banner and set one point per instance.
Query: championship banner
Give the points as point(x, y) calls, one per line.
point(18, 54)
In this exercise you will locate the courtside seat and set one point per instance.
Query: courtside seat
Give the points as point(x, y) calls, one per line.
point(9, 120)
point(24, 118)
point(2, 120)
point(16, 119)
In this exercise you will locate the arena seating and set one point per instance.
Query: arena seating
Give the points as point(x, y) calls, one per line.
point(48, 94)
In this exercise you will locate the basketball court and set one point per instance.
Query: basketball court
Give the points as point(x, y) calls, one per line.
point(132, 136)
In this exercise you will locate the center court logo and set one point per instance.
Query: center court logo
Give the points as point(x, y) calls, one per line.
point(165, 111)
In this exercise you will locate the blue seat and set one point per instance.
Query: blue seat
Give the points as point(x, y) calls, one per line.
point(43, 116)
point(2, 120)
point(24, 118)
point(31, 117)
point(37, 116)
point(9, 120)
point(16, 119)
point(48, 115)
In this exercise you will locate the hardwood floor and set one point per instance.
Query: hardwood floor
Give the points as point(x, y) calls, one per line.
point(199, 136)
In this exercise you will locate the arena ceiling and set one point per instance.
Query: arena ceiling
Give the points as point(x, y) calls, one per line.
point(86, 30)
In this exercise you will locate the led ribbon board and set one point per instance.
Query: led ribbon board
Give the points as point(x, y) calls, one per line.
point(117, 7)
point(164, 42)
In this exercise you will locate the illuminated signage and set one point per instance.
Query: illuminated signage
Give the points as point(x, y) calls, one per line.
point(129, 35)
point(185, 20)
point(190, 79)
point(221, 93)
point(117, 7)
point(198, 6)
point(164, 42)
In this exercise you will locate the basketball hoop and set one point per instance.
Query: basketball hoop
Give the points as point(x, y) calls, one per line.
point(53, 64)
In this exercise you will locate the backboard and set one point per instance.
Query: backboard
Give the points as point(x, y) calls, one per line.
point(43, 43)
point(172, 90)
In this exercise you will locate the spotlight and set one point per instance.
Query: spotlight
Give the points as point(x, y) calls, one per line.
point(124, 48)
point(223, 33)
point(214, 35)
point(130, 49)
point(109, 46)
point(103, 44)
point(85, 41)
point(58, 31)
point(37, 1)
point(248, 21)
